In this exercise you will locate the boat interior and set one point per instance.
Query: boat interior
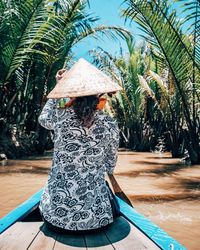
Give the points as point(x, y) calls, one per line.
point(31, 233)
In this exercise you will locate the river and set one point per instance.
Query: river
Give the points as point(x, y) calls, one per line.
point(160, 187)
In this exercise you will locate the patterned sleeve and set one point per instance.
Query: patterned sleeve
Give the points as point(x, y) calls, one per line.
point(47, 118)
point(111, 156)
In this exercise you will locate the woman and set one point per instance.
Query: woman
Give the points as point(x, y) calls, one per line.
point(76, 196)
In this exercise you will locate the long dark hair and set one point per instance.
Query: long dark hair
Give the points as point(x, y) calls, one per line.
point(85, 107)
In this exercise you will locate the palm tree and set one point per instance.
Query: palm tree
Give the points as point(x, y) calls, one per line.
point(37, 37)
point(131, 106)
point(175, 51)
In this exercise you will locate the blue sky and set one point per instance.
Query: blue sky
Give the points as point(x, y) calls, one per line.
point(109, 13)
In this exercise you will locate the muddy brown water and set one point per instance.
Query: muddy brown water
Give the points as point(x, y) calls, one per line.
point(161, 188)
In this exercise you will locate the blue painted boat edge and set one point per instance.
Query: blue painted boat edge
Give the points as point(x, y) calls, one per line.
point(20, 212)
point(160, 237)
point(156, 234)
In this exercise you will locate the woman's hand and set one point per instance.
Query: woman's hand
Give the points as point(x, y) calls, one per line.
point(60, 74)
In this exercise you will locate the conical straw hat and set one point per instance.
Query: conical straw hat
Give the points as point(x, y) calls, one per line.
point(83, 79)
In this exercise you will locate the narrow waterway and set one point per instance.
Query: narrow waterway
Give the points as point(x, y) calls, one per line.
point(163, 189)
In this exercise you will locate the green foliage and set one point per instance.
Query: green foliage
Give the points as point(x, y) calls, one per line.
point(176, 51)
point(37, 37)
point(160, 80)
point(131, 106)
point(40, 33)
point(161, 94)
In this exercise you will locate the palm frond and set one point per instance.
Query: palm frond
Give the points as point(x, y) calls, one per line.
point(162, 29)
point(111, 32)
point(14, 28)
point(159, 81)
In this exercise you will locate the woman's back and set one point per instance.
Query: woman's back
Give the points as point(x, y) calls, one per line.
point(76, 196)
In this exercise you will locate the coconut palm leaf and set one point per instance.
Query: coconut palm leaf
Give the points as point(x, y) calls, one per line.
point(191, 19)
point(40, 31)
point(37, 37)
point(159, 21)
point(129, 105)
point(161, 29)
point(17, 19)
point(149, 92)
point(159, 81)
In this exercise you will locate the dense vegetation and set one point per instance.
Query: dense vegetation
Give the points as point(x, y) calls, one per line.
point(160, 104)
point(37, 37)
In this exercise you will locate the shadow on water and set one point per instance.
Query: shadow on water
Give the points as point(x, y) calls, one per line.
point(162, 169)
point(26, 166)
point(114, 232)
point(24, 170)
point(192, 184)
point(160, 198)
point(7, 163)
point(38, 158)
point(167, 169)
point(158, 157)
point(180, 186)
point(157, 163)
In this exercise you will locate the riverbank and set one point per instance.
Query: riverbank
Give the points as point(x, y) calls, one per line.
point(161, 188)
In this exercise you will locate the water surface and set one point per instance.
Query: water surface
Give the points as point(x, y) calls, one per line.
point(163, 189)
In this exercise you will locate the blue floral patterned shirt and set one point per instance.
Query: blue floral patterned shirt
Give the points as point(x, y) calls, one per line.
point(75, 196)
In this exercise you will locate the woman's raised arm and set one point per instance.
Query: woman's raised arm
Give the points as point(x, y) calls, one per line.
point(47, 118)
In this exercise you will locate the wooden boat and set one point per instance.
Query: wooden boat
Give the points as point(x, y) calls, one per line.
point(23, 229)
